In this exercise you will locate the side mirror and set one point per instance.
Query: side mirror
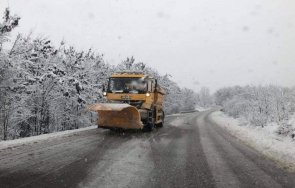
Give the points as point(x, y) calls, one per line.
point(103, 88)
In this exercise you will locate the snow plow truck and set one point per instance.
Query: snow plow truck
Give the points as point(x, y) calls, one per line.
point(134, 101)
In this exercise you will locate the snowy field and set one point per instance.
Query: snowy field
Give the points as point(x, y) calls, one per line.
point(265, 140)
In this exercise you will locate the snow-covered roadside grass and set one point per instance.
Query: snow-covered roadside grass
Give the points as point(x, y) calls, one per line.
point(265, 140)
point(172, 115)
point(202, 109)
point(10, 143)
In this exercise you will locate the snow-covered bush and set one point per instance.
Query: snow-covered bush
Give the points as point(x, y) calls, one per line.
point(260, 105)
point(288, 128)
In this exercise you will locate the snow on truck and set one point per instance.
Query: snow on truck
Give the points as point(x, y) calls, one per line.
point(135, 101)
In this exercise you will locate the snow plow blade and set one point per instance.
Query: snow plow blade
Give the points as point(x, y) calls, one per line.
point(122, 116)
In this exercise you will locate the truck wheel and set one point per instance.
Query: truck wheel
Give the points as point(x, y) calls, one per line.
point(150, 124)
point(162, 118)
point(148, 128)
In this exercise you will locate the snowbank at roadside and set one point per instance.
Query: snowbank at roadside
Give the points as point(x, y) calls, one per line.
point(10, 143)
point(202, 109)
point(265, 140)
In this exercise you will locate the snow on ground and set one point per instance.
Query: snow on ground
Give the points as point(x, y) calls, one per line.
point(126, 165)
point(265, 140)
point(201, 109)
point(9, 143)
point(172, 115)
point(178, 122)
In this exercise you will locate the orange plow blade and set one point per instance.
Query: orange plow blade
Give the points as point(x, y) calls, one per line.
point(117, 116)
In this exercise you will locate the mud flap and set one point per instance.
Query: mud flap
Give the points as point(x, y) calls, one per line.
point(112, 115)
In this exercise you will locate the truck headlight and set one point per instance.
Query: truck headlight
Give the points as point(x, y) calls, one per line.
point(104, 93)
point(148, 94)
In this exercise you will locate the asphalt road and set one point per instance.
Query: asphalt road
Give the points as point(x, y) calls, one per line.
point(189, 151)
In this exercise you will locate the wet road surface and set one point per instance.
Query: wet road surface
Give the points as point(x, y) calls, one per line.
point(189, 151)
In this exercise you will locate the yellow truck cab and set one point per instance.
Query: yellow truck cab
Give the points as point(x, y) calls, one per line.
point(134, 101)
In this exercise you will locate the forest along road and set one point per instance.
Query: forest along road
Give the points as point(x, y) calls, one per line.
point(189, 151)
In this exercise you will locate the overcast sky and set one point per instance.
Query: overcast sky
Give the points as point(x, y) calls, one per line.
point(209, 43)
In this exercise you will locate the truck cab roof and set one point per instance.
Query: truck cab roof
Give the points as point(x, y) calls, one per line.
point(129, 75)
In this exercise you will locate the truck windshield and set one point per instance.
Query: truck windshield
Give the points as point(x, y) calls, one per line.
point(127, 85)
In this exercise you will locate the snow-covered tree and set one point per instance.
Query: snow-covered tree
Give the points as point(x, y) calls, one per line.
point(205, 98)
point(260, 105)
point(7, 25)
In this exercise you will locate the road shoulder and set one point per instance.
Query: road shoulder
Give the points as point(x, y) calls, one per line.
point(279, 149)
point(43, 137)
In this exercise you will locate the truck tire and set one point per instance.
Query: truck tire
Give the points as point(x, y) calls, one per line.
point(150, 124)
point(163, 118)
